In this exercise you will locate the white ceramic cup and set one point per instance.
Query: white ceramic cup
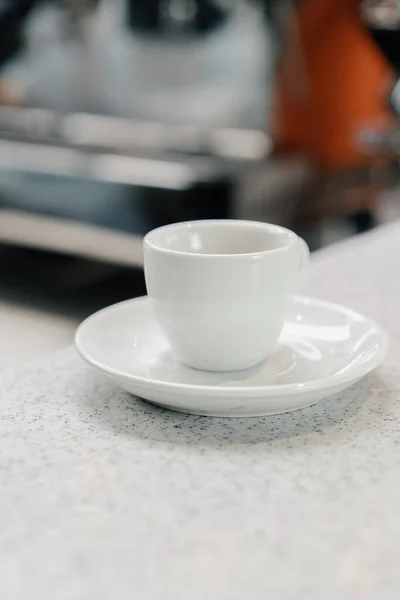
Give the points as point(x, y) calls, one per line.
point(220, 289)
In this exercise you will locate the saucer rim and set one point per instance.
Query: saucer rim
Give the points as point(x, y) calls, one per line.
point(284, 389)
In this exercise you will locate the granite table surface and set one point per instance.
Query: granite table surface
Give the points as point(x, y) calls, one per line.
point(104, 496)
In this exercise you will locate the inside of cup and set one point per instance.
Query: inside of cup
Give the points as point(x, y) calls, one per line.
point(221, 237)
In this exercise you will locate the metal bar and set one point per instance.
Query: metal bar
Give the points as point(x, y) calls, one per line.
point(82, 130)
point(70, 237)
point(37, 158)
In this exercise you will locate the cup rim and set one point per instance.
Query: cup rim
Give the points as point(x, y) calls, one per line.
point(292, 238)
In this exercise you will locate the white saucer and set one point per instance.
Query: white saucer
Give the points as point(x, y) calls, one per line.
point(324, 348)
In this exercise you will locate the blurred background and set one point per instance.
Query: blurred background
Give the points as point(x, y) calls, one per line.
point(117, 116)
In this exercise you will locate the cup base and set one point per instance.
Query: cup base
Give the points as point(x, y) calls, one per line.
point(223, 367)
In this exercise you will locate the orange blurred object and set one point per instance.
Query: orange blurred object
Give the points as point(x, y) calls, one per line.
point(332, 83)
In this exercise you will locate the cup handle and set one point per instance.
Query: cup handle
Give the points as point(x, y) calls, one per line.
point(304, 254)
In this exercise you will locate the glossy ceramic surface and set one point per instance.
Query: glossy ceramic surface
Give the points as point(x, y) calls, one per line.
point(220, 289)
point(323, 349)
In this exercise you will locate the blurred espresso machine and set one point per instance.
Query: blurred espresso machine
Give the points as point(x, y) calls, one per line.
point(117, 116)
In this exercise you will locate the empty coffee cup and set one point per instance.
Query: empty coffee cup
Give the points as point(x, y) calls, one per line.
point(220, 289)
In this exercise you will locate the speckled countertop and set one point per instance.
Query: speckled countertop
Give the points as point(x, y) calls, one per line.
point(103, 496)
